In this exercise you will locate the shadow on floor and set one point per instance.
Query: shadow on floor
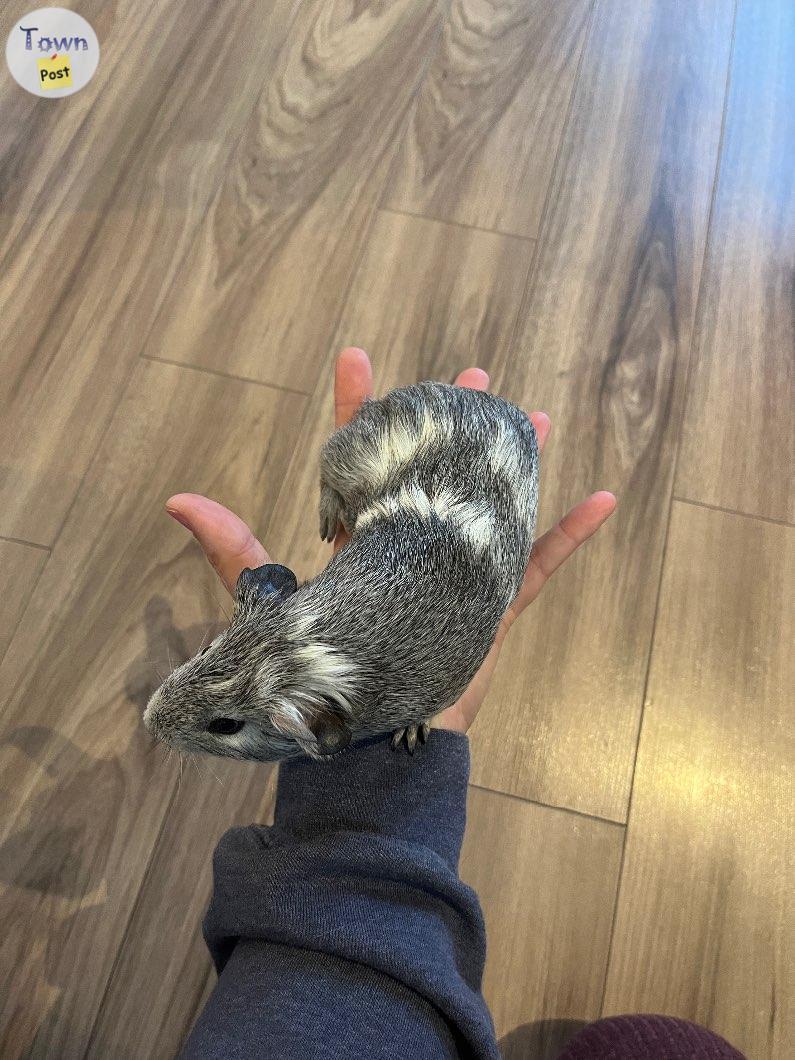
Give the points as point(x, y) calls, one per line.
point(55, 861)
point(542, 1040)
point(62, 843)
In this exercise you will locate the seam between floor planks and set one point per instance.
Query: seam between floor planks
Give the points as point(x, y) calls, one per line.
point(688, 369)
point(29, 544)
point(131, 918)
point(649, 653)
point(223, 375)
point(549, 806)
point(457, 224)
point(15, 624)
point(542, 221)
point(734, 511)
point(97, 450)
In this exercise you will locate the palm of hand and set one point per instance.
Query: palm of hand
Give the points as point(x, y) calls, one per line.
point(230, 545)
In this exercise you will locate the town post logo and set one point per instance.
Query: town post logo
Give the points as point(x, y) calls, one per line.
point(52, 52)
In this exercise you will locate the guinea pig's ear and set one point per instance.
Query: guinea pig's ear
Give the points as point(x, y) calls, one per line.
point(320, 733)
point(331, 732)
point(271, 579)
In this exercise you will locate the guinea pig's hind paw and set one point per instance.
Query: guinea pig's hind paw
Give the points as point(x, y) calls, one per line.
point(411, 735)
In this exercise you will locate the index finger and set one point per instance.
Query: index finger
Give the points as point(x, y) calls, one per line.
point(555, 546)
point(353, 382)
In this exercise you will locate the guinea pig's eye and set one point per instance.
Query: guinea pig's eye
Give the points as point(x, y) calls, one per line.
point(225, 726)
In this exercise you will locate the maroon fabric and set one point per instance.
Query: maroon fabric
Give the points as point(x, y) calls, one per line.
point(647, 1038)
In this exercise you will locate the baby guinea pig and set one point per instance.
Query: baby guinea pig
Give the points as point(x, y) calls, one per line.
point(438, 487)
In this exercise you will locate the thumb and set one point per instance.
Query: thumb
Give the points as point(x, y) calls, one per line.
point(227, 542)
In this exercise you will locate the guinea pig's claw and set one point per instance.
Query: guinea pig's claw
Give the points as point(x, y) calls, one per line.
point(411, 735)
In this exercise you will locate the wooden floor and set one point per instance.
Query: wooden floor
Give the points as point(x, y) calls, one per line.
point(592, 199)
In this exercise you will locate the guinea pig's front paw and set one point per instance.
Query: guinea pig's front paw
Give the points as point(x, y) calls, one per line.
point(330, 512)
point(411, 735)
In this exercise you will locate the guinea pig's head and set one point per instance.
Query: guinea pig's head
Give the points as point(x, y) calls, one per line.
point(265, 688)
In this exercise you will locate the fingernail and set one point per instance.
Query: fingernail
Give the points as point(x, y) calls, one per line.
point(178, 517)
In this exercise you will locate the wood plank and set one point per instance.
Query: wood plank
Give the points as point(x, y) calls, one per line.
point(35, 135)
point(738, 441)
point(20, 567)
point(127, 592)
point(705, 922)
point(90, 246)
point(428, 300)
point(547, 882)
point(269, 268)
point(487, 122)
point(602, 348)
point(159, 981)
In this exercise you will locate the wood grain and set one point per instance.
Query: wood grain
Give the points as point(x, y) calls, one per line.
point(160, 978)
point(487, 122)
point(98, 211)
point(547, 882)
point(20, 567)
point(267, 273)
point(705, 923)
point(603, 347)
point(212, 198)
point(428, 300)
point(738, 441)
point(127, 593)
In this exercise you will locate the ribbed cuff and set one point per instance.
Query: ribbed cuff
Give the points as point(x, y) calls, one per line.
point(371, 788)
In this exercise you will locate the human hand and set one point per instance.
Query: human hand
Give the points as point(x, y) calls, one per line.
point(230, 546)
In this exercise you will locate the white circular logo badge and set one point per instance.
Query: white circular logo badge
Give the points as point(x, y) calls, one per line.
point(52, 52)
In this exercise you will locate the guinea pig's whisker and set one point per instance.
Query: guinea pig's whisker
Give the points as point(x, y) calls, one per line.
point(204, 638)
point(213, 773)
point(214, 599)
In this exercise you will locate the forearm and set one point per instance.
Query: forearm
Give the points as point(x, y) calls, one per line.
point(344, 930)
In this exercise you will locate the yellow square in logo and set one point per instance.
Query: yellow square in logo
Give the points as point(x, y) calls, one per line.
point(55, 72)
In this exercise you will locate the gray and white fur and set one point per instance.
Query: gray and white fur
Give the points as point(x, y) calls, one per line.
point(438, 487)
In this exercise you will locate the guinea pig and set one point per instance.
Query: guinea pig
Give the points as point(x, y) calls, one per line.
point(438, 487)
